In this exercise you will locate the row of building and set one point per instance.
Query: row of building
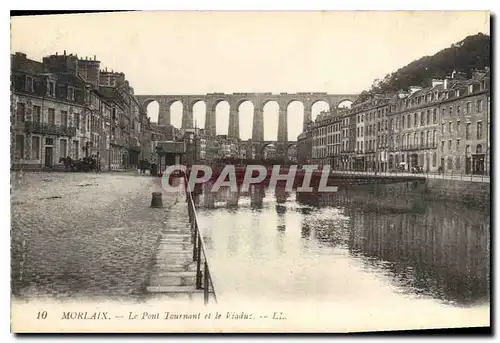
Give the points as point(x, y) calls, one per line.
point(201, 147)
point(444, 127)
point(67, 106)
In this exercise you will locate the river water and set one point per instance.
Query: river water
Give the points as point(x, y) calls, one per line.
point(275, 246)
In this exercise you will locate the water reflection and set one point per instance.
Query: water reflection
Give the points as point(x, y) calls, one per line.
point(435, 249)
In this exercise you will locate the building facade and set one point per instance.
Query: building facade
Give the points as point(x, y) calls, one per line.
point(65, 106)
point(441, 128)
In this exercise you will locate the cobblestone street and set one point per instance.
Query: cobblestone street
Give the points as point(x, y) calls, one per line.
point(77, 234)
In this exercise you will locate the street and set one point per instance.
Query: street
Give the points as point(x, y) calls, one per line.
point(83, 234)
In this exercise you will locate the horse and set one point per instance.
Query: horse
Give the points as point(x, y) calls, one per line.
point(68, 163)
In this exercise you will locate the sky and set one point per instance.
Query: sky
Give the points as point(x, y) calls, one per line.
point(200, 52)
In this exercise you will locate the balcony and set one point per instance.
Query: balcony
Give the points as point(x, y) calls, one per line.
point(421, 146)
point(49, 129)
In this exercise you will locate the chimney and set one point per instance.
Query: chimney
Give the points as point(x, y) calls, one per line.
point(445, 84)
point(56, 53)
point(453, 74)
point(94, 57)
point(64, 52)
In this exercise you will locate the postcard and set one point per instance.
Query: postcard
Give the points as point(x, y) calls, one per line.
point(232, 171)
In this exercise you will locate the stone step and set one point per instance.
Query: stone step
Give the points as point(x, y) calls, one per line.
point(167, 253)
point(173, 289)
point(165, 281)
point(174, 246)
point(176, 236)
point(181, 267)
point(176, 274)
point(157, 280)
point(170, 269)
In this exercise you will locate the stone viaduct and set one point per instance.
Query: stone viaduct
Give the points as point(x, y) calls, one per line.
point(234, 100)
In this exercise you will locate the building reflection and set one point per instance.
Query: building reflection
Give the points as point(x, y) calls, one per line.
point(257, 194)
point(434, 248)
point(441, 253)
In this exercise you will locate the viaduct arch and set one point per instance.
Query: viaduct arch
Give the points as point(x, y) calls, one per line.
point(235, 100)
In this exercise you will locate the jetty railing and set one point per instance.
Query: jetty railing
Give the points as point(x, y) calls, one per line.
point(203, 277)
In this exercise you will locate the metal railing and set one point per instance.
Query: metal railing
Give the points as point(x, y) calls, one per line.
point(203, 277)
point(430, 175)
point(51, 129)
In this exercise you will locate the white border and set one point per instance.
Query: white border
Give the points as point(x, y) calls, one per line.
point(184, 5)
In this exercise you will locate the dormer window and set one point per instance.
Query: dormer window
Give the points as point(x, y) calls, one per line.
point(471, 89)
point(29, 84)
point(71, 93)
point(51, 88)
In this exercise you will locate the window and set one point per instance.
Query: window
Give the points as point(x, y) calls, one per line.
point(443, 110)
point(29, 84)
point(479, 106)
point(434, 139)
point(52, 116)
point(467, 131)
point(421, 138)
point(20, 112)
point(450, 163)
point(468, 108)
point(479, 126)
point(415, 119)
point(442, 146)
point(429, 116)
point(458, 145)
point(63, 150)
point(434, 159)
point(77, 120)
point(415, 140)
point(451, 110)
point(52, 88)
point(458, 110)
point(457, 163)
point(422, 118)
point(36, 114)
point(450, 127)
point(458, 126)
point(404, 122)
point(428, 138)
point(449, 145)
point(35, 147)
point(20, 146)
point(64, 119)
point(442, 128)
point(71, 93)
